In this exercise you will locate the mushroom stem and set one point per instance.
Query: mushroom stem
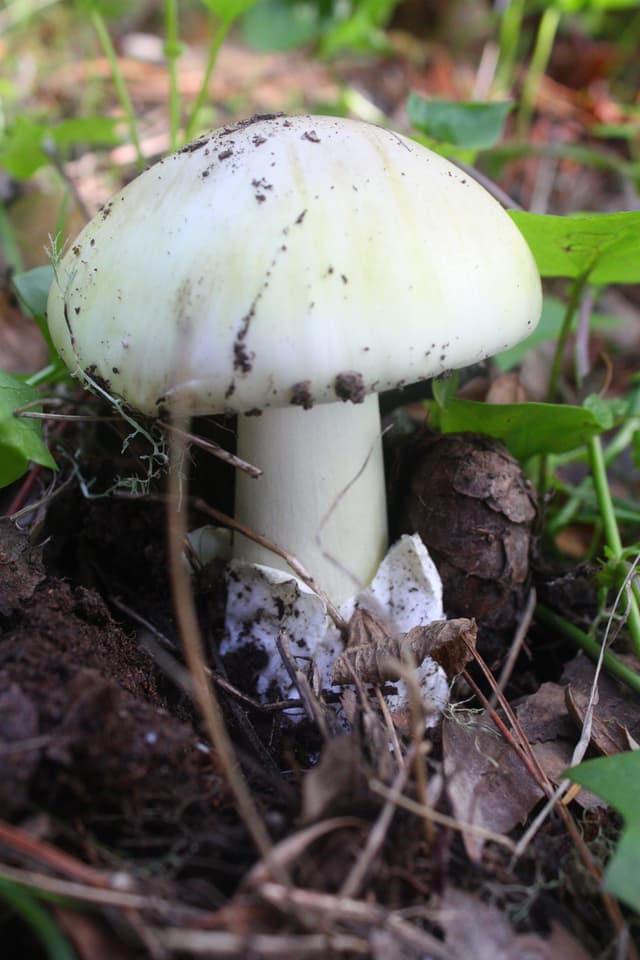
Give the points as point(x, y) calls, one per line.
point(321, 495)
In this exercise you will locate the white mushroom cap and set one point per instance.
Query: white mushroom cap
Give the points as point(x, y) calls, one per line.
point(284, 264)
point(291, 260)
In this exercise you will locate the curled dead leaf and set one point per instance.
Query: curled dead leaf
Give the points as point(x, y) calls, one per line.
point(375, 655)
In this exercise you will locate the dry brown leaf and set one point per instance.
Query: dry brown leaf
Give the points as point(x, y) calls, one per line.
point(616, 715)
point(476, 929)
point(553, 737)
point(22, 349)
point(374, 661)
point(338, 784)
point(543, 714)
point(486, 782)
point(507, 388)
point(555, 757)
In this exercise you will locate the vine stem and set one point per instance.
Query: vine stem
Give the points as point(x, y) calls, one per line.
point(573, 303)
point(611, 532)
point(591, 647)
point(219, 36)
point(108, 49)
point(575, 296)
point(510, 31)
point(172, 51)
point(545, 37)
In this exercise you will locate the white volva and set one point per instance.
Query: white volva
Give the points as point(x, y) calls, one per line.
point(281, 265)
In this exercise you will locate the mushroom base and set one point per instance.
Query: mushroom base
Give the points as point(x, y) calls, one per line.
point(322, 493)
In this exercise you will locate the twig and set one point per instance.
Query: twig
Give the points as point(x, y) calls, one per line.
point(161, 650)
point(289, 558)
point(214, 448)
point(307, 698)
point(287, 851)
point(51, 494)
point(329, 908)
point(262, 946)
point(412, 806)
point(524, 750)
point(46, 853)
point(108, 896)
point(187, 621)
point(516, 646)
point(388, 721)
point(300, 571)
point(356, 876)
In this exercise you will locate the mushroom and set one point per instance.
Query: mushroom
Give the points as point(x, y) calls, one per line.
point(288, 269)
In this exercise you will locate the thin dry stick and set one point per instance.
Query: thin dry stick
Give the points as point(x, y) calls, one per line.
point(192, 645)
point(161, 651)
point(442, 818)
point(520, 743)
point(291, 848)
point(307, 698)
point(46, 853)
point(356, 876)
point(215, 449)
point(516, 646)
point(357, 913)
point(525, 752)
point(203, 507)
point(585, 737)
point(50, 495)
point(85, 893)
point(262, 946)
point(407, 672)
point(26, 412)
point(391, 730)
point(289, 558)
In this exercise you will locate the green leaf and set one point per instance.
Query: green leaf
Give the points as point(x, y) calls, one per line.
point(612, 4)
point(20, 438)
point(279, 25)
point(32, 288)
point(21, 152)
point(472, 125)
point(445, 388)
point(94, 131)
point(616, 780)
point(26, 905)
point(229, 10)
point(553, 312)
point(23, 149)
point(607, 410)
point(604, 247)
point(361, 31)
point(588, 156)
point(616, 131)
point(527, 429)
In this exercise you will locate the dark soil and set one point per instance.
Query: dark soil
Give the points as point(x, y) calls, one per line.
point(105, 743)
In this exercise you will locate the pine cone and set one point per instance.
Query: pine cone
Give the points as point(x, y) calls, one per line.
point(468, 499)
